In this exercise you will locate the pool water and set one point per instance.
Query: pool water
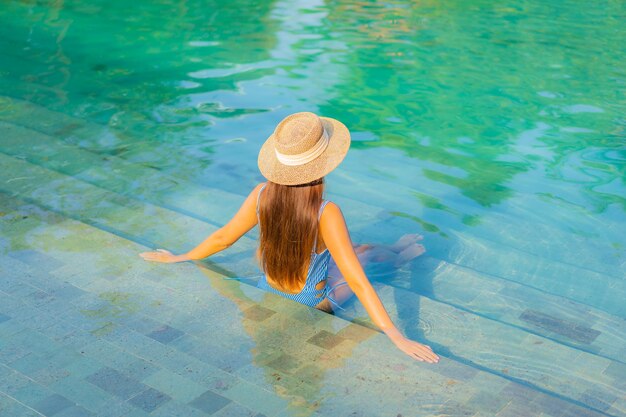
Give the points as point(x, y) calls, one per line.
point(495, 130)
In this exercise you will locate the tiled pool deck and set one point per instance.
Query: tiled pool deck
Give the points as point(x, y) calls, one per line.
point(88, 328)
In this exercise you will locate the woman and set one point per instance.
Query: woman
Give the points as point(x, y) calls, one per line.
point(300, 231)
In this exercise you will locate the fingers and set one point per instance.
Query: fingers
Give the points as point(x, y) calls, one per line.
point(160, 256)
point(426, 358)
point(149, 256)
point(422, 353)
point(428, 353)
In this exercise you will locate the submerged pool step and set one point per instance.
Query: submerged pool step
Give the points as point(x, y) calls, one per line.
point(156, 320)
point(212, 205)
point(531, 236)
point(66, 151)
point(499, 223)
point(139, 221)
point(196, 201)
point(44, 187)
point(510, 217)
point(501, 262)
point(525, 239)
point(466, 250)
point(507, 351)
point(561, 320)
point(17, 129)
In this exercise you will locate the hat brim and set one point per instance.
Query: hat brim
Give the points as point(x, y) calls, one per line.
point(335, 152)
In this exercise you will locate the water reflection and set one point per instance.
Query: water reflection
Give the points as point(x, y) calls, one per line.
point(446, 72)
point(298, 376)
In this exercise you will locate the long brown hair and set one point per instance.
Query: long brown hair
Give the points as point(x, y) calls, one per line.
point(288, 218)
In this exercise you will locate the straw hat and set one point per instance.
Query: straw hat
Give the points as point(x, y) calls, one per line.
point(303, 148)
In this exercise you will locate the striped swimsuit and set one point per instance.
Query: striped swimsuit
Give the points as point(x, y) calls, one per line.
point(318, 272)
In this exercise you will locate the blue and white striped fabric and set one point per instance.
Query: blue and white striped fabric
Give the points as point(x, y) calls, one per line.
point(318, 272)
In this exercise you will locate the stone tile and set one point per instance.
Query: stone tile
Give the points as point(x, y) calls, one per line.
point(75, 411)
point(165, 334)
point(258, 313)
point(116, 383)
point(11, 408)
point(551, 405)
point(235, 410)
point(356, 333)
point(36, 258)
point(66, 292)
point(209, 402)
point(31, 340)
point(455, 370)
point(212, 354)
point(4, 318)
point(452, 408)
point(29, 364)
point(11, 381)
point(53, 404)
point(31, 394)
point(9, 352)
point(255, 398)
point(136, 412)
point(115, 409)
point(179, 388)
point(83, 393)
point(58, 331)
point(115, 357)
point(517, 409)
point(576, 411)
point(599, 400)
point(487, 402)
point(518, 392)
point(140, 323)
point(206, 375)
point(616, 370)
point(177, 409)
point(574, 331)
point(82, 367)
point(149, 400)
point(49, 375)
point(284, 363)
point(325, 340)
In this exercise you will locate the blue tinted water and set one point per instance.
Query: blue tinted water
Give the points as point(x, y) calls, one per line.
point(495, 130)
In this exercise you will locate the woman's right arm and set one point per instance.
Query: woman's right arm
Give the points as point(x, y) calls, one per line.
point(337, 239)
point(244, 220)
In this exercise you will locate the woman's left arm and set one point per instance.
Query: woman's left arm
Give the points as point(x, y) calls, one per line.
point(244, 220)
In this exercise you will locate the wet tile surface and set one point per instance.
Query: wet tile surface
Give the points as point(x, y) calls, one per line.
point(165, 334)
point(149, 400)
point(53, 404)
point(76, 342)
point(326, 340)
point(209, 402)
point(566, 328)
point(116, 383)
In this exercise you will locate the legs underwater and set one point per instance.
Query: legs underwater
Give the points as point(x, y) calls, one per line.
point(398, 254)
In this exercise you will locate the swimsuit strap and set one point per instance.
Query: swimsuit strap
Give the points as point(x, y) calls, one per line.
point(319, 216)
point(258, 199)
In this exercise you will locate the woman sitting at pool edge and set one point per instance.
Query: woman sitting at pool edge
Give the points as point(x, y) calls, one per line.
point(295, 223)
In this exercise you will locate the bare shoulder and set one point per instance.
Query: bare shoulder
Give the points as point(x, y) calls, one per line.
point(332, 215)
point(257, 188)
point(331, 209)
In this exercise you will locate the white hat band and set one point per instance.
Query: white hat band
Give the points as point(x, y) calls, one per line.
point(304, 157)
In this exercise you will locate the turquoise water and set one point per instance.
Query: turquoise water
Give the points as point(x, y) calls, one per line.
point(495, 130)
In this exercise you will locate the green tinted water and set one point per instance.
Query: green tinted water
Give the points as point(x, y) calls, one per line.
point(497, 130)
